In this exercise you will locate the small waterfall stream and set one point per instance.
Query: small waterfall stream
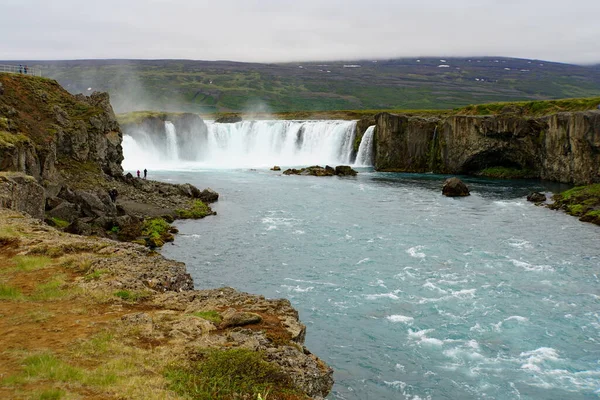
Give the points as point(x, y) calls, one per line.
point(364, 157)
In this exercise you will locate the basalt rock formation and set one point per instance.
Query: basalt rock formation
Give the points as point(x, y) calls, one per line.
point(563, 147)
point(71, 146)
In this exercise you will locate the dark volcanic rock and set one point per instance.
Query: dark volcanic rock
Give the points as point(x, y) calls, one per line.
point(208, 195)
point(536, 197)
point(345, 170)
point(65, 211)
point(276, 168)
point(229, 119)
point(454, 187)
point(21, 192)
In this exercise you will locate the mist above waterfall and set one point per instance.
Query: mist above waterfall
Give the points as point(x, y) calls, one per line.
point(246, 144)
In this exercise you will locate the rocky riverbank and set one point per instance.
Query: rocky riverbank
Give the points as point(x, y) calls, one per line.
point(89, 317)
point(95, 318)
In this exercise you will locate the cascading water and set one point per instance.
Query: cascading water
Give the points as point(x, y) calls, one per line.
point(246, 144)
point(364, 157)
point(172, 149)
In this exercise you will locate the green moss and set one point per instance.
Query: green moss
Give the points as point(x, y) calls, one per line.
point(8, 139)
point(580, 201)
point(212, 316)
point(228, 374)
point(157, 231)
point(197, 210)
point(507, 173)
point(131, 296)
point(59, 223)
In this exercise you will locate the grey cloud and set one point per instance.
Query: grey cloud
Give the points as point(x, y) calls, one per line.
point(294, 30)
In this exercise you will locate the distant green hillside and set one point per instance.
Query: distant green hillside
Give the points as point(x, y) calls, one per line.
point(426, 83)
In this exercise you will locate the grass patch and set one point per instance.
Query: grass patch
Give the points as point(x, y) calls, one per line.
point(51, 394)
point(131, 296)
point(507, 173)
point(197, 210)
point(158, 231)
point(228, 374)
point(9, 293)
point(532, 108)
point(48, 366)
point(59, 223)
point(94, 276)
point(31, 263)
point(212, 316)
point(52, 290)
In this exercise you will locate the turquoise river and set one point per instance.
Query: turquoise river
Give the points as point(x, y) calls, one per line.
point(408, 294)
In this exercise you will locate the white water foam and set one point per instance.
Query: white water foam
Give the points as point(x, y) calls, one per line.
point(415, 252)
point(400, 318)
point(530, 267)
point(364, 157)
point(246, 144)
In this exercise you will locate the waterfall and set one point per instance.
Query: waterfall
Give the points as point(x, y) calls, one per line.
point(364, 157)
point(245, 144)
point(172, 149)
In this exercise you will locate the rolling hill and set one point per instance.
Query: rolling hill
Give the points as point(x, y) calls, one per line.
point(416, 83)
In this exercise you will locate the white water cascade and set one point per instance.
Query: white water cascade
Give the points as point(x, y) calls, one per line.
point(364, 157)
point(246, 144)
point(172, 149)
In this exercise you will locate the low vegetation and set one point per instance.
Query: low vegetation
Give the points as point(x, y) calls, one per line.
point(581, 201)
point(212, 316)
point(236, 373)
point(198, 209)
point(532, 108)
point(507, 173)
point(157, 231)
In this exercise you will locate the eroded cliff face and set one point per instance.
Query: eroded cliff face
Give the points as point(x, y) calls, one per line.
point(42, 125)
point(563, 147)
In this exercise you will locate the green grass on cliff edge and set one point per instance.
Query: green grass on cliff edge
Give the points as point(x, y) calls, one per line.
point(581, 201)
point(230, 374)
point(532, 108)
point(525, 108)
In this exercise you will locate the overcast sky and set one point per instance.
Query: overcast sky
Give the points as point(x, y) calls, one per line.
point(299, 30)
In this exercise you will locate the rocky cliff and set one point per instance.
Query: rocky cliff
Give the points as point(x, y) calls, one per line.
point(115, 320)
point(563, 147)
point(42, 125)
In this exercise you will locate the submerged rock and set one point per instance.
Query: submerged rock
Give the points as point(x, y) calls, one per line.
point(345, 170)
point(536, 197)
point(454, 187)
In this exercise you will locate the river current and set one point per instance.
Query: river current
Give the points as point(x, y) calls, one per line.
point(406, 293)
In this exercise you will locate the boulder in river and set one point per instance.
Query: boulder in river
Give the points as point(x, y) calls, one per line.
point(454, 187)
point(536, 197)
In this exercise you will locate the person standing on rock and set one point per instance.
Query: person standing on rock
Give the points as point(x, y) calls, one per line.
point(113, 194)
point(138, 173)
point(145, 173)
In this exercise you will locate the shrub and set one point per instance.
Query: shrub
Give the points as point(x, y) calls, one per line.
point(228, 374)
point(197, 210)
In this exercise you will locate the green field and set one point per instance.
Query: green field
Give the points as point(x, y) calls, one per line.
point(211, 87)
